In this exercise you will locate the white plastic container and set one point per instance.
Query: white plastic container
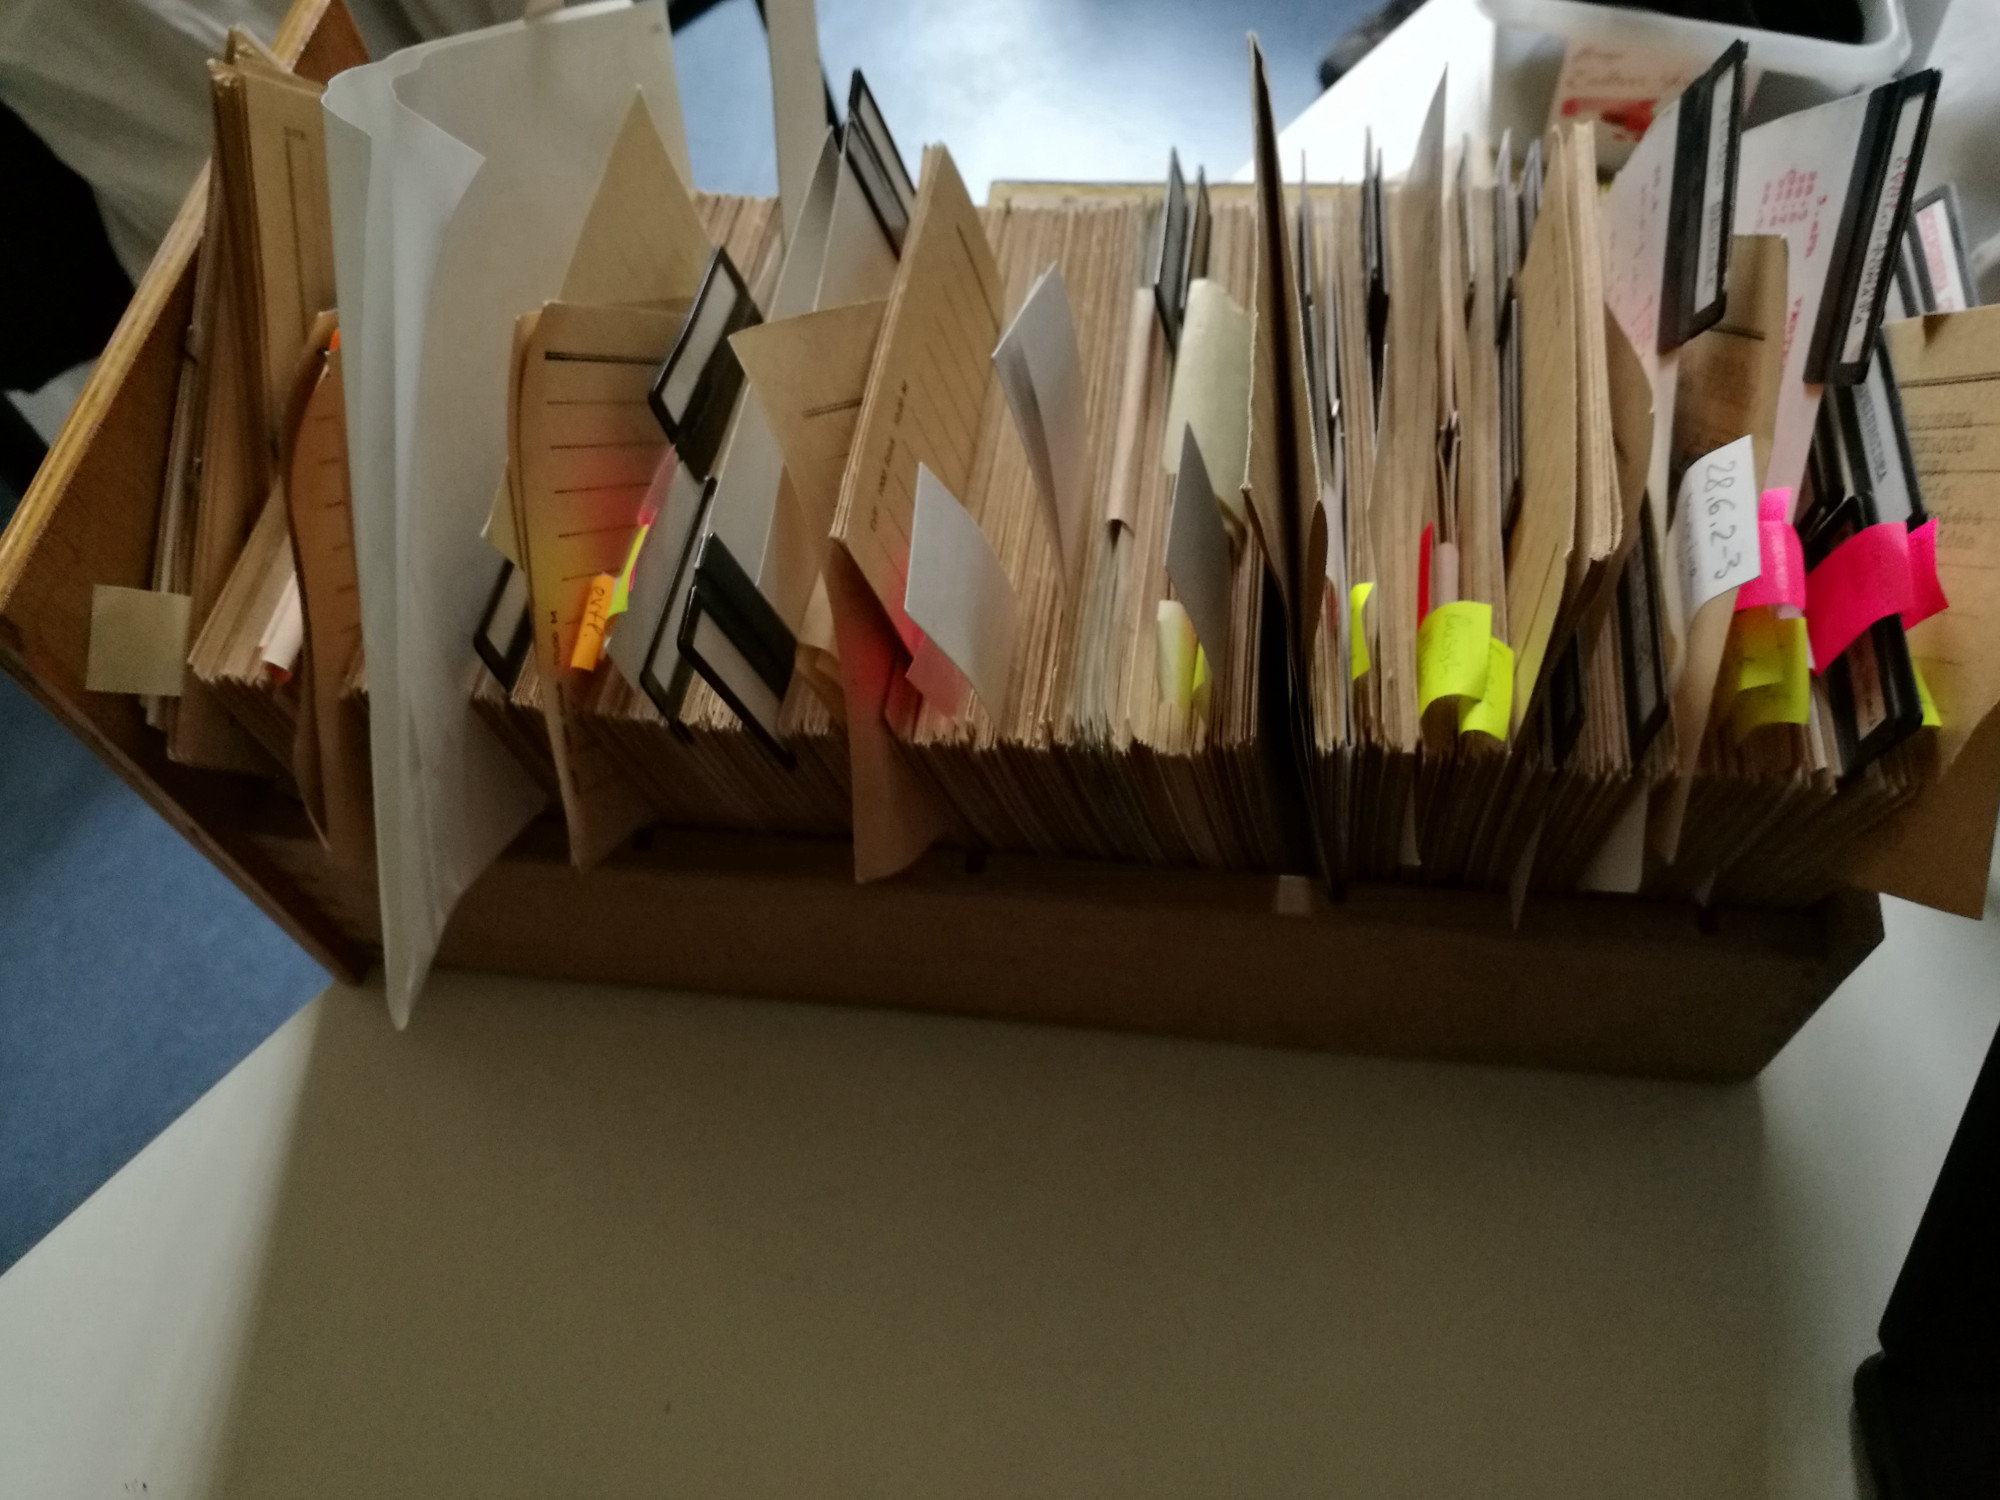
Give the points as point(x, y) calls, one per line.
point(1884, 47)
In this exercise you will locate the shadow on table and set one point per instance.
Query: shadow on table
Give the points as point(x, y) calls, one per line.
point(618, 1243)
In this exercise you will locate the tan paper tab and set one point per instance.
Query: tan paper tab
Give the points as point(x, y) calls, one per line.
point(896, 811)
point(1545, 530)
point(586, 450)
point(1712, 552)
point(1278, 481)
point(291, 237)
point(322, 525)
point(642, 241)
point(927, 385)
point(138, 641)
point(810, 374)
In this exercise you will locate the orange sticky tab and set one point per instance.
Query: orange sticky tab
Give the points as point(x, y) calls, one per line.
point(590, 630)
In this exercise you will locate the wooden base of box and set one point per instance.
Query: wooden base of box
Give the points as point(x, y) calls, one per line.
point(1600, 984)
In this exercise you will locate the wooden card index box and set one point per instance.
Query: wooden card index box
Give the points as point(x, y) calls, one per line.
point(1607, 984)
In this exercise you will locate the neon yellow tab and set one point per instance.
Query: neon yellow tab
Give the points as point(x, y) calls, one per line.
point(1176, 659)
point(1932, 718)
point(1491, 713)
point(1200, 696)
point(590, 631)
point(621, 594)
point(1357, 629)
point(1785, 701)
point(1760, 659)
point(1452, 654)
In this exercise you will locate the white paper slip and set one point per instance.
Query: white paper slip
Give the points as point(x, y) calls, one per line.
point(1198, 551)
point(805, 237)
point(958, 594)
point(1715, 527)
point(1042, 375)
point(460, 174)
point(798, 101)
point(1632, 221)
point(284, 634)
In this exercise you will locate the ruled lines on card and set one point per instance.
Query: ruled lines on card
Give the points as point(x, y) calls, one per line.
point(928, 386)
point(588, 447)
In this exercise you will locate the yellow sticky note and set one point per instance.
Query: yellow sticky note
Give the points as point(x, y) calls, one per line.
point(1932, 718)
point(1788, 699)
point(1491, 712)
point(1759, 656)
point(621, 593)
point(590, 631)
point(1177, 657)
point(1357, 630)
point(1452, 652)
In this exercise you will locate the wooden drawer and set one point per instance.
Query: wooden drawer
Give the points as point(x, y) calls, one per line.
point(1607, 984)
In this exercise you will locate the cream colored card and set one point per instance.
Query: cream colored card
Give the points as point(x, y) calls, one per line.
point(927, 385)
point(1211, 392)
point(587, 451)
point(642, 240)
point(1712, 551)
point(809, 374)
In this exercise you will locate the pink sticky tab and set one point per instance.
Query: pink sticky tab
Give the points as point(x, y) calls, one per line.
point(1926, 593)
point(1781, 561)
point(1865, 579)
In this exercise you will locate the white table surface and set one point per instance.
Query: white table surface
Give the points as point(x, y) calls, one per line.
point(558, 1239)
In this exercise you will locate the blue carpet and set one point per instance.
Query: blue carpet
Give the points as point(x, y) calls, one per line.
point(132, 975)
